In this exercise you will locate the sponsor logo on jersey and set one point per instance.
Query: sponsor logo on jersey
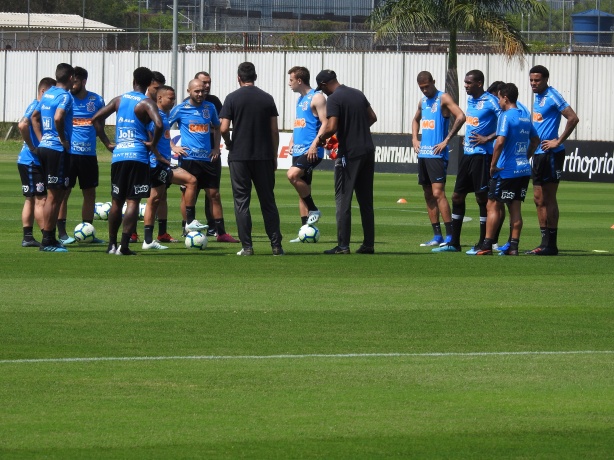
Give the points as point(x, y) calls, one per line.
point(167, 134)
point(81, 122)
point(480, 105)
point(125, 134)
point(300, 123)
point(53, 179)
point(115, 189)
point(507, 195)
point(46, 123)
point(25, 188)
point(473, 121)
point(141, 189)
point(90, 106)
point(134, 98)
point(427, 124)
point(542, 102)
point(40, 187)
point(198, 128)
point(537, 117)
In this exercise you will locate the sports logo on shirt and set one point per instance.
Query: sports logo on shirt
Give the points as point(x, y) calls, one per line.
point(198, 128)
point(507, 195)
point(480, 105)
point(206, 113)
point(90, 106)
point(473, 121)
point(427, 124)
point(435, 107)
point(542, 102)
point(40, 187)
point(81, 122)
point(304, 105)
point(537, 117)
point(141, 189)
point(300, 123)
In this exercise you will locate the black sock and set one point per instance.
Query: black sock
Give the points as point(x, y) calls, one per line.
point(62, 227)
point(483, 215)
point(544, 232)
point(190, 214)
point(219, 227)
point(162, 225)
point(448, 226)
point(125, 242)
point(304, 220)
point(552, 237)
point(509, 238)
point(89, 221)
point(149, 233)
point(48, 237)
point(309, 202)
point(436, 229)
point(27, 234)
point(487, 244)
point(514, 242)
point(458, 214)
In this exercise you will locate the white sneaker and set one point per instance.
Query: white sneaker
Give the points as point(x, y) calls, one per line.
point(113, 249)
point(195, 226)
point(313, 217)
point(155, 244)
point(295, 240)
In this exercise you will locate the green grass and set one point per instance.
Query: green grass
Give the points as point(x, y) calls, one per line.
point(404, 299)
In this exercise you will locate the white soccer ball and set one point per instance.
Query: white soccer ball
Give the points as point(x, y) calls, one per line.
point(196, 240)
point(142, 207)
point(124, 207)
point(85, 232)
point(309, 234)
point(101, 211)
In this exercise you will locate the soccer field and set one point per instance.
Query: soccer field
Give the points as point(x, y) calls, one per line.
point(403, 354)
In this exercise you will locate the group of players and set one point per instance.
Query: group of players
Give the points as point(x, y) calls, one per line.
point(501, 137)
point(60, 127)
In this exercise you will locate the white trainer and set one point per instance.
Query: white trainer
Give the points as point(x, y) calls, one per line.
point(313, 217)
point(155, 244)
point(195, 226)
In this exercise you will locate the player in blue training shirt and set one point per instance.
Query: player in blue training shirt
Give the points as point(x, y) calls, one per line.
point(433, 117)
point(130, 160)
point(510, 169)
point(196, 118)
point(309, 124)
point(32, 179)
point(83, 160)
point(548, 106)
point(474, 169)
point(52, 124)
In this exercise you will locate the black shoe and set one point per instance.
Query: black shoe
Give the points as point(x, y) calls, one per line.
point(337, 250)
point(278, 251)
point(534, 252)
point(30, 244)
point(548, 251)
point(365, 250)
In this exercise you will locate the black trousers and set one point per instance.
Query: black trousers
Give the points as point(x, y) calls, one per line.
point(262, 174)
point(355, 175)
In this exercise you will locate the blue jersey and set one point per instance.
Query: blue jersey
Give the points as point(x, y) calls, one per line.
point(26, 157)
point(164, 145)
point(195, 126)
point(55, 98)
point(517, 129)
point(306, 126)
point(434, 127)
point(130, 132)
point(525, 111)
point(547, 108)
point(83, 140)
point(482, 115)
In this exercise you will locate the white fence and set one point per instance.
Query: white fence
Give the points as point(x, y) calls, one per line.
point(387, 79)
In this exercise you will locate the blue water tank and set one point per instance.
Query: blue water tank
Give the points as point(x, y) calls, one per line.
point(593, 21)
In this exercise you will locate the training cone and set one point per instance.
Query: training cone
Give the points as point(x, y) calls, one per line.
point(401, 201)
point(612, 227)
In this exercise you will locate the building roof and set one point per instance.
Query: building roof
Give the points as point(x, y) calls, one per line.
point(51, 22)
point(593, 13)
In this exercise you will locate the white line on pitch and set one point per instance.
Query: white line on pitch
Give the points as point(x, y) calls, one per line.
point(342, 355)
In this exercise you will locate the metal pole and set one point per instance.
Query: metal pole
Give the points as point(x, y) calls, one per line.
point(202, 14)
point(175, 45)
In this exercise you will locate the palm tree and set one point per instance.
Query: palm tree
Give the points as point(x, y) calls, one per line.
point(485, 18)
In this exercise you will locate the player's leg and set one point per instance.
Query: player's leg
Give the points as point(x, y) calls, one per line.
point(131, 216)
point(439, 194)
point(33, 189)
point(295, 177)
point(241, 181)
point(492, 222)
point(549, 193)
point(156, 197)
point(115, 221)
point(62, 217)
point(212, 177)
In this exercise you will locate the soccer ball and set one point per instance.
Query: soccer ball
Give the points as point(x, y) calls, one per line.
point(142, 207)
point(124, 207)
point(195, 240)
point(101, 211)
point(309, 234)
point(85, 232)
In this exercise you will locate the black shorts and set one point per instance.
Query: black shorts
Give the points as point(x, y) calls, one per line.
point(303, 163)
point(508, 190)
point(161, 175)
point(85, 168)
point(32, 180)
point(432, 171)
point(547, 167)
point(473, 174)
point(54, 166)
point(130, 180)
point(207, 173)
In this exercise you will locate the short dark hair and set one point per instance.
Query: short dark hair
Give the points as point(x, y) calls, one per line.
point(202, 72)
point(300, 72)
point(80, 73)
point(247, 72)
point(424, 76)
point(157, 76)
point(476, 75)
point(541, 70)
point(63, 72)
point(143, 76)
point(165, 88)
point(510, 91)
point(46, 83)
point(495, 87)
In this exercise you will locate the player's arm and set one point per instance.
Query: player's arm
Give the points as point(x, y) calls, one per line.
point(275, 137)
point(331, 128)
point(572, 122)
point(499, 143)
point(151, 109)
point(98, 122)
point(225, 132)
point(318, 107)
point(217, 139)
point(24, 129)
point(415, 129)
point(448, 104)
point(60, 122)
point(371, 116)
point(35, 119)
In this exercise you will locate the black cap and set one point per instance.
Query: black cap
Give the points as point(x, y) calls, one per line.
point(325, 76)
